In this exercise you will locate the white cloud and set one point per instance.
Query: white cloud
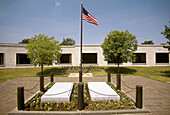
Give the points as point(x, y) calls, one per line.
point(57, 3)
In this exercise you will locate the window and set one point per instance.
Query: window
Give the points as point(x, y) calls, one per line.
point(22, 59)
point(65, 58)
point(140, 58)
point(1, 59)
point(89, 58)
point(162, 57)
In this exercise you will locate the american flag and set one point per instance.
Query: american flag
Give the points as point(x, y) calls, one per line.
point(88, 17)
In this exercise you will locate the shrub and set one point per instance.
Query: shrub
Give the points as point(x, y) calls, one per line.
point(91, 106)
point(37, 102)
point(68, 108)
point(98, 107)
point(41, 93)
point(86, 99)
point(68, 102)
point(120, 102)
point(36, 107)
point(50, 109)
point(117, 106)
point(122, 106)
point(31, 105)
point(130, 103)
point(102, 105)
point(106, 107)
point(45, 107)
point(64, 104)
point(57, 106)
point(48, 102)
point(124, 100)
point(41, 105)
point(107, 102)
point(132, 107)
point(51, 104)
point(73, 105)
point(110, 105)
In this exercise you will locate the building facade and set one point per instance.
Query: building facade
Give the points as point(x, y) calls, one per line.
point(14, 55)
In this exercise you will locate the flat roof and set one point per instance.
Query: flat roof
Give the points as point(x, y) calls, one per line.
point(78, 45)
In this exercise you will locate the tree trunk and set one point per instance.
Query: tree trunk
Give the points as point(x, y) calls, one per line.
point(42, 69)
point(118, 71)
point(118, 60)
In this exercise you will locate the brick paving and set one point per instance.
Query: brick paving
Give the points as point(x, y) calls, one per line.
point(156, 94)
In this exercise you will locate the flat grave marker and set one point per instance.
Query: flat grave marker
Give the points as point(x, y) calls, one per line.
point(59, 92)
point(84, 75)
point(101, 91)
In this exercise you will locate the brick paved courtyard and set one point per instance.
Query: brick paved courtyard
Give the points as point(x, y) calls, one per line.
point(156, 94)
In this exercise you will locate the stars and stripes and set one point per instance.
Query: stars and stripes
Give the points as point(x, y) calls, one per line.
point(88, 17)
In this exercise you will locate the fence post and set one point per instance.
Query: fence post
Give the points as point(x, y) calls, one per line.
point(51, 77)
point(139, 96)
point(108, 77)
point(42, 83)
point(80, 96)
point(119, 81)
point(20, 98)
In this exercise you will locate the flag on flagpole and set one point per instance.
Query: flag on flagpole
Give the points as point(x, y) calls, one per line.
point(88, 17)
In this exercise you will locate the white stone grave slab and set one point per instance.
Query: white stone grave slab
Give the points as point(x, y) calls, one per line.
point(101, 91)
point(59, 92)
point(77, 75)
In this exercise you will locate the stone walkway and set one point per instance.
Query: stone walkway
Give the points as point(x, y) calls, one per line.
point(156, 94)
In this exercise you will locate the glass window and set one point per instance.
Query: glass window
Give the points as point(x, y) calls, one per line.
point(22, 59)
point(1, 59)
point(162, 57)
point(89, 58)
point(140, 58)
point(65, 58)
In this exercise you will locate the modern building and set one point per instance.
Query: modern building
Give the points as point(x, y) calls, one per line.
point(14, 55)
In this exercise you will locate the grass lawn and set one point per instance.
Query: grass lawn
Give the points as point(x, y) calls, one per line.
point(156, 73)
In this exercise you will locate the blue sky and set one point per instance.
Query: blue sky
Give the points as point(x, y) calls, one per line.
point(21, 19)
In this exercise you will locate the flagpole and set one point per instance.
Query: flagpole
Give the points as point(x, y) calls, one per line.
point(80, 73)
point(80, 104)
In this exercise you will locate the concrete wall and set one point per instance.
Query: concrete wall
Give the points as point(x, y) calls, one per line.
point(10, 51)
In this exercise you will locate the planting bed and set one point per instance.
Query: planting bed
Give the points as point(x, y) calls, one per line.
point(125, 102)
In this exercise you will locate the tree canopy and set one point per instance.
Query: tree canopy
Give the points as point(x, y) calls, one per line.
point(166, 33)
point(119, 46)
point(43, 50)
point(148, 42)
point(24, 41)
point(68, 41)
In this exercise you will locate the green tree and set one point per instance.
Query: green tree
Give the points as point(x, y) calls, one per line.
point(67, 41)
point(119, 46)
point(148, 42)
point(24, 41)
point(166, 33)
point(43, 50)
